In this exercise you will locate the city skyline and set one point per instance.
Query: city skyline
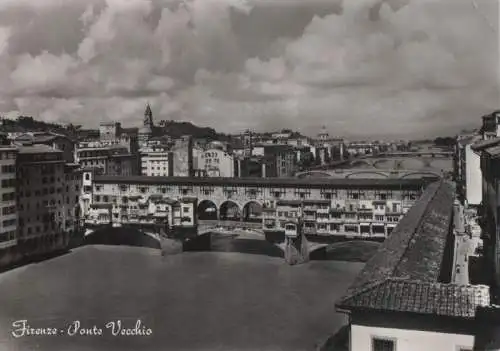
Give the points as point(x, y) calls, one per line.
point(419, 69)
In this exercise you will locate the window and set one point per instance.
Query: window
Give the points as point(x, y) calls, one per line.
point(379, 344)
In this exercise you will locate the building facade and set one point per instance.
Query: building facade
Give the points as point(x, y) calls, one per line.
point(157, 160)
point(48, 190)
point(490, 168)
point(329, 205)
point(216, 163)
point(277, 160)
point(182, 152)
point(112, 160)
point(57, 141)
point(112, 134)
point(8, 223)
point(467, 170)
point(491, 126)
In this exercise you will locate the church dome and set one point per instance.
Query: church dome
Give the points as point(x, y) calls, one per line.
point(145, 130)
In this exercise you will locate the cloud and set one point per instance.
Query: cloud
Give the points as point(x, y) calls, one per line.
point(365, 67)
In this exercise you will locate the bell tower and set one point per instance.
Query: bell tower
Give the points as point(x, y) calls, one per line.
point(146, 131)
point(148, 117)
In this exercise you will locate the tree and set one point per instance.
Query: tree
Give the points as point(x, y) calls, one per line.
point(444, 141)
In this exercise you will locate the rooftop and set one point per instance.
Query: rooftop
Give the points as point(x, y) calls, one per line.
point(493, 151)
point(396, 184)
point(483, 144)
point(37, 149)
point(405, 273)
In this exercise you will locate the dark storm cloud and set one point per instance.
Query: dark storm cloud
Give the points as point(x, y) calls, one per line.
point(415, 67)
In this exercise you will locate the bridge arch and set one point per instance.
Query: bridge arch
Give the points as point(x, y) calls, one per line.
point(207, 210)
point(252, 211)
point(420, 174)
point(313, 174)
point(229, 210)
point(377, 163)
point(364, 173)
point(364, 163)
point(121, 236)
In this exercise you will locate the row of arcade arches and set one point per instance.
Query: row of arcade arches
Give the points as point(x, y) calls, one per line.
point(230, 211)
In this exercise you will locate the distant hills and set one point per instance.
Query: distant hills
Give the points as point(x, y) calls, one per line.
point(26, 123)
point(174, 129)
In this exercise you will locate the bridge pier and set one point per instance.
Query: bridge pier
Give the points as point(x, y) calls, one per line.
point(296, 250)
point(171, 246)
point(178, 240)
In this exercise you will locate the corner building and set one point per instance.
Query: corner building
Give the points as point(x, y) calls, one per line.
point(47, 199)
point(8, 219)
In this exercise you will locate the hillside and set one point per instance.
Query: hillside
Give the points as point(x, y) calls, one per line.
point(174, 129)
point(26, 123)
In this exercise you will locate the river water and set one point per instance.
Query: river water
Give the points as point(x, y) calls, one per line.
point(191, 301)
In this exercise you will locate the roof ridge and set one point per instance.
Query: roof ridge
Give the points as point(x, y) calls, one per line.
point(356, 292)
point(417, 227)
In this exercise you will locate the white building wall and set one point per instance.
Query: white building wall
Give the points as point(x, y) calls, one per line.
point(473, 177)
point(258, 151)
point(409, 340)
point(217, 163)
point(155, 164)
point(86, 192)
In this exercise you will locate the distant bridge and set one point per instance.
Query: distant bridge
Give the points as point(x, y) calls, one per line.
point(370, 173)
point(433, 154)
point(427, 158)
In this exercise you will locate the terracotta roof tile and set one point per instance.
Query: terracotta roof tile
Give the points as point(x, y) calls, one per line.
point(404, 273)
point(483, 144)
point(398, 295)
point(404, 184)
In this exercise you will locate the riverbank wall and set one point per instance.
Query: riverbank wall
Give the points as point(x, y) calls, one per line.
point(36, 249)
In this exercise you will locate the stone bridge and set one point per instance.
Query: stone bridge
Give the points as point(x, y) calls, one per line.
point(395, 165)
point(372, 173)
point(151, 230)
point(206, 226)
point(241, 229)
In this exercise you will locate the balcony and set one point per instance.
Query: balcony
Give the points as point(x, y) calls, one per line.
point(310, 208)
point(321, 219)
point(309, 230)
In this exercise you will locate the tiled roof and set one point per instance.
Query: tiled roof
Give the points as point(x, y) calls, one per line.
point(37, 149)
point(493, 151)
point(421, 297)
point(129, 130)
point(469, 140)
point(395, 184)
point(399, 253)
point(483, 144)
point(404, 273)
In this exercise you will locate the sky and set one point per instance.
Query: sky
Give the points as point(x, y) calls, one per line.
point(368, 68)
